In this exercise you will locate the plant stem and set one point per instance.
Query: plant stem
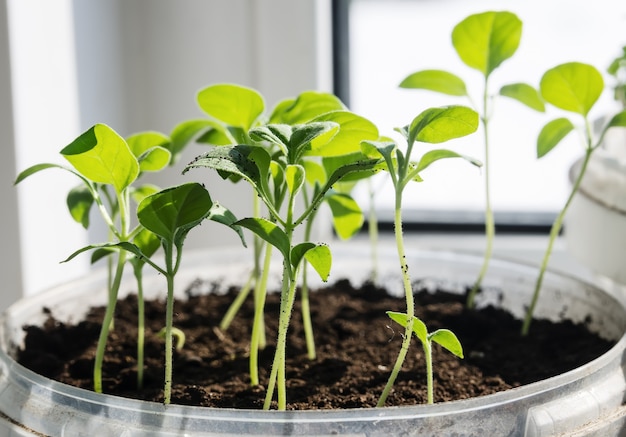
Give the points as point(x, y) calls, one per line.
point(141, 330)
point(490, 228)
point(372, 229)
point(107, 321)
point(169, 322)
point(237, 302)
point(257, 338)
point(554, 232)
point(304, 298)
point(408, 293)
point(428, 357)
point(277, 376)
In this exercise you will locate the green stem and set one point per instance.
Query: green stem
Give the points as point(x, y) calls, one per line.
point(107, 321)
point(304, 298)
point(554, 232)
point(169, 322)
point(408, 293)
point(428, 356)
point(237, 302)
point(490, 229)
point(277, 376)
point(141, 330)
point(257, 340)
point(372, 228)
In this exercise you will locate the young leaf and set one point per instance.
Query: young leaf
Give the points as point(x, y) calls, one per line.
point(525, 94)
point(233, 105)
point(79, 201)
point(419, 328)
point(437, 154)
point(143, 191)
point(186, 132)
point(347, 215)
point(298, 252)
point(174, 210)
point(150, 149)
point(305, 107)
point(269, 232)
point(303, 135)
point(437, 125)
point(320, 258)
point(618, 120)
point(294, 177)
point(552, 134)
point(222, 215)
point(347, 139)
point(483, 41)
point(436, 80)
point(278, 134)
point(572, 86)
point(103, 156)
point(448, 340)
point(35, 169)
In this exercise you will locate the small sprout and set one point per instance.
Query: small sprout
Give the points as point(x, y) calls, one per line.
point(176, 332)
point(443, 337)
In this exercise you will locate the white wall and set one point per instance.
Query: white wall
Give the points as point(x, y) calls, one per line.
point(137, 65)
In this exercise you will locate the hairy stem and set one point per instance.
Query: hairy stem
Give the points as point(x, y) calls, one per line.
point(257, 340)
point(408, 293)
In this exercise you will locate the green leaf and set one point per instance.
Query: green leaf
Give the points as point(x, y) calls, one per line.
point(102, 156)
point(314, 171)
point(278, 134)
point(244, 161)
point(552, 134)
point(35, 169)
point(186, 132)
point(147, 242)
point(347, 139)
point(437, 125)
point(143, 191)
point(79, 202)
point(170, 213)
point(524, 94)
point(298, 252)
point(233, 105)
point(572, 86)
point(618, 120)
point(151, 150)
point(220, 214)
point(320, 258)
point(305, 107)
point(449, 341)
point(483, 41)
point(303, 135)
point(419, 328)
point(269, 232)
point(437, 154)
point(347, 215)
point(103, 248)
point(436, 80)
point(294, 177)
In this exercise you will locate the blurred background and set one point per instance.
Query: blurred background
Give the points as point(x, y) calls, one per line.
point(138, 64)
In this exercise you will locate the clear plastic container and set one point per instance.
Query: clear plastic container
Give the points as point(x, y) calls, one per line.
point(585, 401)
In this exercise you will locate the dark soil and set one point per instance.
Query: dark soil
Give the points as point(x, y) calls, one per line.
point(356, 346)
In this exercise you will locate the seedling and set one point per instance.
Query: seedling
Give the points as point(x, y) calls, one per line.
point(483, 42)
point(108, 165)
point(171, 214)
point(278, 179)
point(444, 337)
point(434, 125)
point(573, 87)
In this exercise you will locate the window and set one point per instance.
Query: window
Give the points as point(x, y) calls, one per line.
point(385, 40)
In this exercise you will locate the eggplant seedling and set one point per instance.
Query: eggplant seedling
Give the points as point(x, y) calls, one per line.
point(108, 166)
point(277, 180)
point(573, 87)
point(483, 42)
point(171, 214)
point(444, 337)
point(434, 125)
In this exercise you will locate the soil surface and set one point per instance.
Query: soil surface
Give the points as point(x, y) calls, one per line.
point(356, 346)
